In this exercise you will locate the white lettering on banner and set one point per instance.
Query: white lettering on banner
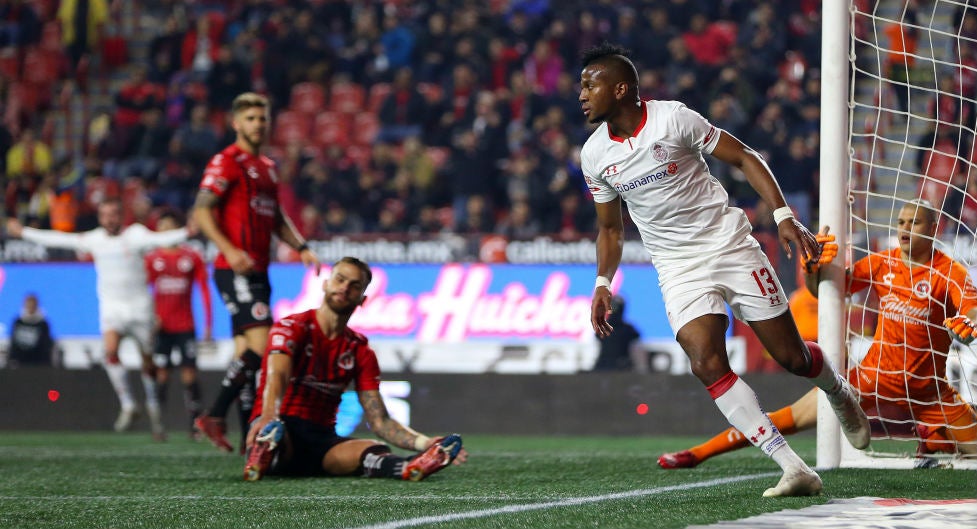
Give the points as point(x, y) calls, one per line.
point(459, 307)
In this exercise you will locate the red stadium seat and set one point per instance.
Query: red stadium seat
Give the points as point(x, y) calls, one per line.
point(431, 91)
point(365, 128)
point(378, 93)
point(359, 154)
point(42, 67)
point(308, 98)
point(346, 97)
point(291, 126)
point(9, 64)
point(331, 128)
point(51, 36)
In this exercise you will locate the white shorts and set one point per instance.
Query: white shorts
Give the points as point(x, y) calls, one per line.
point(135, 320)
point(741, 278)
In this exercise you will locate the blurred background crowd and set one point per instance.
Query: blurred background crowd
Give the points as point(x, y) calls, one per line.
point(397, 117)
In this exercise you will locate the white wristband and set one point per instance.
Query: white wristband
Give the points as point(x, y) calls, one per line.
point(782, 214)
point(602, 282)
point(421, 442)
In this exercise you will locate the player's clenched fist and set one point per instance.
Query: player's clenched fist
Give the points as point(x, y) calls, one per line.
point(961, 328)
point(828, 251)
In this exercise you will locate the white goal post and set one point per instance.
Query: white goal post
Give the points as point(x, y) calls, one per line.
point(883, 137)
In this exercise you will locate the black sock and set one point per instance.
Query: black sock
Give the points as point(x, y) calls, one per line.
point(245, 406)
point(234, 378)
point(378, 462)
point(162, 388)
point(191, 400)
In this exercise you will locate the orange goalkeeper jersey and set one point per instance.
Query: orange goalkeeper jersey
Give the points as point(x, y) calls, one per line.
point(912, 306)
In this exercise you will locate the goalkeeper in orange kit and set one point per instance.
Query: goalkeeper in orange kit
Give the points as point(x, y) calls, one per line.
point(926, 300)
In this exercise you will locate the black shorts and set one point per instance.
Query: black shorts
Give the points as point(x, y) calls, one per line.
point(309, 442)
point(247, 298)
point(184, 344)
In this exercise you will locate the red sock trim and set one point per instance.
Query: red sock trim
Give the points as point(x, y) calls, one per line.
point(721, 386)
point(817, 359)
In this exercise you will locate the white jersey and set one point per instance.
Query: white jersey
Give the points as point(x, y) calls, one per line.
point(681, 211)
point(119, 269)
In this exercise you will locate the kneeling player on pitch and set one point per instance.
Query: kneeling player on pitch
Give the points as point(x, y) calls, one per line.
point(311, 358)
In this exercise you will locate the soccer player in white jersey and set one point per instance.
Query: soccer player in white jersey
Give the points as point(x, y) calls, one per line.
point(125, 304)
point(650, 155)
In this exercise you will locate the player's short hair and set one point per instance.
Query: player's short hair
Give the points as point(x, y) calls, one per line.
point(111, 201)
point(926, 207)
point(359, 263)
point(613, 56)
point(172, 214)
point(248, 100)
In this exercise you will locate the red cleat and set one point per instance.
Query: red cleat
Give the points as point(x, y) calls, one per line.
point(263, 450)
point(214, 429)
point(683, 459)
point(436, 457)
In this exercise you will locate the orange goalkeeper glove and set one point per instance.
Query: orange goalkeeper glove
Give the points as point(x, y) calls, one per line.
point(829, 250)
point(961, 328)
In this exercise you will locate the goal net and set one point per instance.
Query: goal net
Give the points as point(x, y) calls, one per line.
point(912, 69)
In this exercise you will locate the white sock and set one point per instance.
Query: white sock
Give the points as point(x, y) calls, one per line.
point(823, 374)
point(737, 401)
point(120, 383)
point(149, 385)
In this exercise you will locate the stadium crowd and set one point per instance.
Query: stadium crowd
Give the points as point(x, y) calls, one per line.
point(397, 117)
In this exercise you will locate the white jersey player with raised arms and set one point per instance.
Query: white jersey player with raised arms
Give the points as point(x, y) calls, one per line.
point(125, 303)
point(650, 155)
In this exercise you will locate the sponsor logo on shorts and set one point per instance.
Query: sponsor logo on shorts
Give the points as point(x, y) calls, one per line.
point(259, 311)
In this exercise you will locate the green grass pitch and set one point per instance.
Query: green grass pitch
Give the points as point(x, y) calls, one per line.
point(76, 480)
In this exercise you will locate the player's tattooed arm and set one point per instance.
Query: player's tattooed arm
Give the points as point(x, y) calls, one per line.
point(383, 425)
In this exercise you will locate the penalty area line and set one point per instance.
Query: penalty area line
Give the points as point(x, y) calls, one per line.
point(568, 502)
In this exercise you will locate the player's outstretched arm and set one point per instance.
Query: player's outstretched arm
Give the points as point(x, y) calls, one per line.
point(391, 430)
point(279, 368)
point(48, 238)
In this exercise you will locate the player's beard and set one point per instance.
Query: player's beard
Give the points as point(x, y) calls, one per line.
point(341, 308)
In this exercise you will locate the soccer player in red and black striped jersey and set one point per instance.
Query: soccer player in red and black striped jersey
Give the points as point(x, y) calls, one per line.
point(237, 208)
point(171, 272)
point(311, 358)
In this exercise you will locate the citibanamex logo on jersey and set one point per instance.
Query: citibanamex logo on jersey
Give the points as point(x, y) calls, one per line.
point(659, 153)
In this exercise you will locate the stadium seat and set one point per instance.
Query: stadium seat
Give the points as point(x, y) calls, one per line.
point(365, 128)
point(291, 126)
point(331, 128)
point(378, 93)
point(359, 154)
point(9, 64)
point(42, 67)
point(346, 97)
point(431, 91)
point(307, 98)
point(51, 36)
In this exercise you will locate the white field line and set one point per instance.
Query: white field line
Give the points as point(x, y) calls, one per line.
point(567, 502)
